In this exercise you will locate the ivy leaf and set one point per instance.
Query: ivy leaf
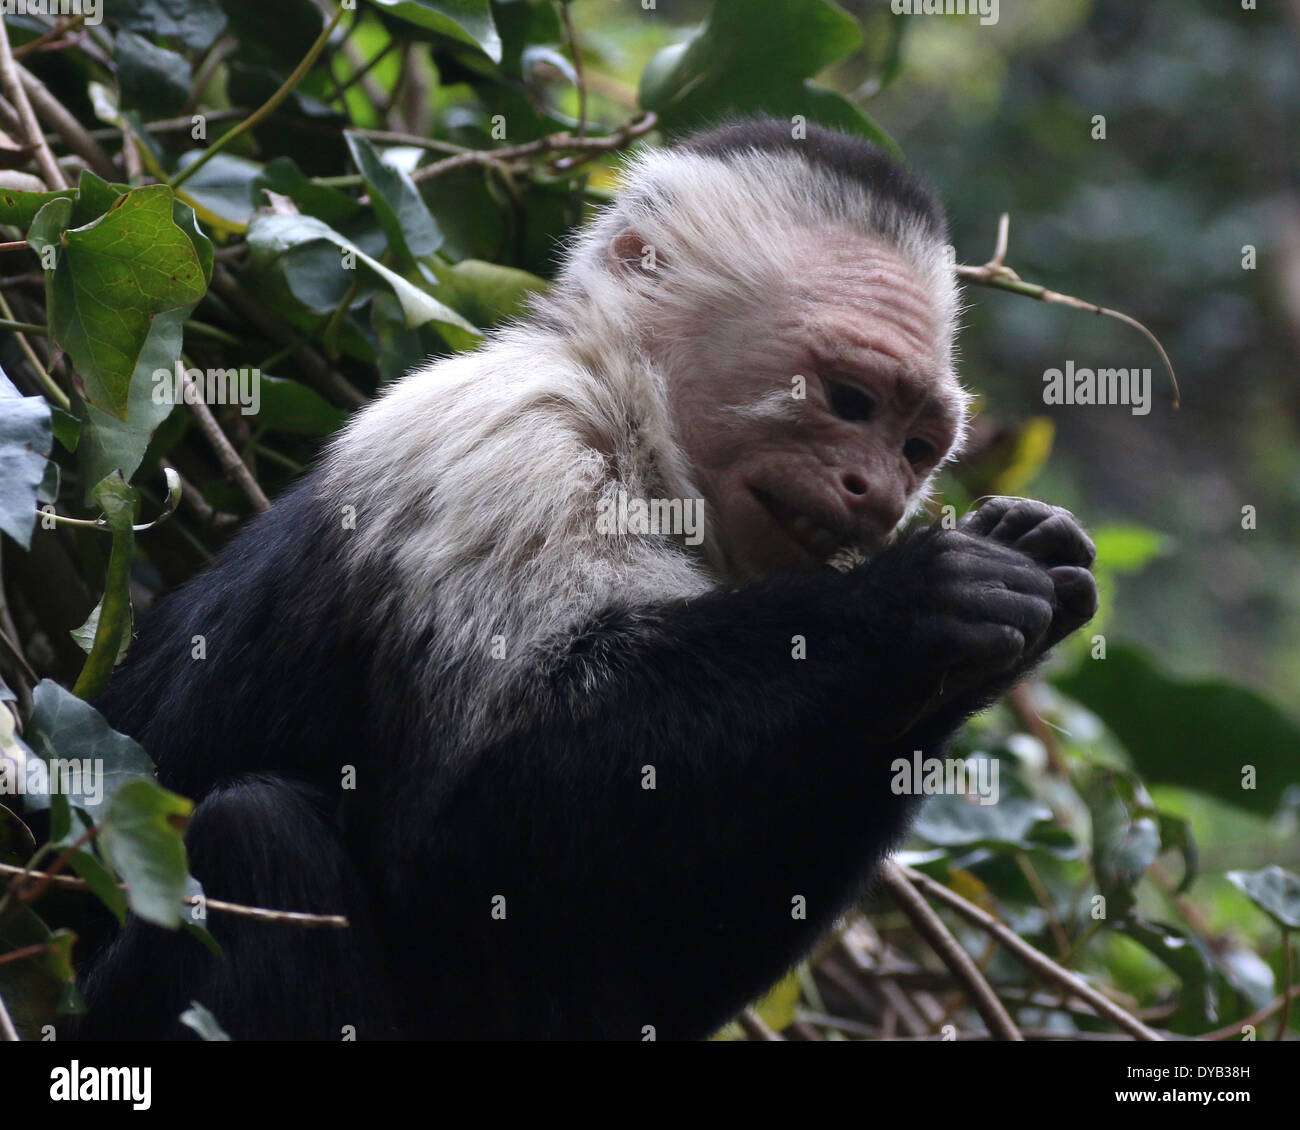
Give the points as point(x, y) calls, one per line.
point(288, 406)
point(19, 208)
point(62, 725)
point(196, 23)
point(467, 21)
point(142, 841)
point(112, 278)
point(401, 211)
point(1205, 734)
point(25, 440)
point(270, 237)
point(755, 56)
point(150, 78)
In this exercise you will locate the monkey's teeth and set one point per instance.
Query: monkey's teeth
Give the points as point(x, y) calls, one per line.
point(847, 557)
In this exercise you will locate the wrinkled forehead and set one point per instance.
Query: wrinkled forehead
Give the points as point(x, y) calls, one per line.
point(856, 292)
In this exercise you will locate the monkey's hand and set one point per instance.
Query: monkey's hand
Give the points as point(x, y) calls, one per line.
point(984, 611)
point(1052, 537)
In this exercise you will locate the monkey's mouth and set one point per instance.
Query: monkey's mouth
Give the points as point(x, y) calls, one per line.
point(818, 541)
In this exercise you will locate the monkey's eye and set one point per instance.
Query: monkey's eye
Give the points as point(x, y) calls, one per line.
point(849, 402)
point(919, 451)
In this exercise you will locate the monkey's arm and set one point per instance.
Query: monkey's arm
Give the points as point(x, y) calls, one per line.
point(696, 785)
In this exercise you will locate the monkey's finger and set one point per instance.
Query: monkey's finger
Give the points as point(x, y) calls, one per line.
point(989, 512)
point(1076, 592)
point(1020, 518)
point(1058, 538)
point(988, 647)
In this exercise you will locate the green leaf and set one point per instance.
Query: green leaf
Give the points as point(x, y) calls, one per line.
point(467, 21)
point(20, 208)
point(288, 406)
point(270, 237)
point(109, 444)
point(134, 253)
point(196, 23)
point(150, 78)
point(1198, 733)
point(142, 840)
point(101, 881)
point(95, 196)
point(85, 635)
point(63, 726)
point(26, 438)
point(397, 203)
point(224, 186)
point(67, 428)
point(35, 989)
point(953, 821)
point(755, 56)
point(1274, 890)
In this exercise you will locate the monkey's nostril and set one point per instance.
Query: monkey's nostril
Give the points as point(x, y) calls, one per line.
point(855, 484)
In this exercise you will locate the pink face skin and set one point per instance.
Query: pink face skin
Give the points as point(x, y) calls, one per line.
point(787, 481)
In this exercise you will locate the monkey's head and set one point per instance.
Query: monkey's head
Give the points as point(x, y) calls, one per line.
point(799, 298)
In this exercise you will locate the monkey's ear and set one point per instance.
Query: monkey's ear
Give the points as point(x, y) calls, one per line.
point(629, 253)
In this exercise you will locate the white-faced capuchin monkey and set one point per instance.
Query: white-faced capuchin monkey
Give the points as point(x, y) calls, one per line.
point(542, 676)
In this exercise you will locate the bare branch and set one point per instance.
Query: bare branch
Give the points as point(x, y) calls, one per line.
point(1044, 966)
point(930, 926)
point(13, 88)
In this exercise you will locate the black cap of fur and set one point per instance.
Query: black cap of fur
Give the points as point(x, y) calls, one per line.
point(852, 158)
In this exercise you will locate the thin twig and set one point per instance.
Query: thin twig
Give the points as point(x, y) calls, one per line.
point(52, 389)
point(1001, 277)
point(1287, 978)
point(13, 87)
point(930, 926)
point(551, 143)
point(1044, 966)
point(217, 54)
point(391, 137)
point(171, 125)
point(59, 29)
point(359, 75)
point(227, 456)
point(73, 133)
point(262, 914)
point(23, 894)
